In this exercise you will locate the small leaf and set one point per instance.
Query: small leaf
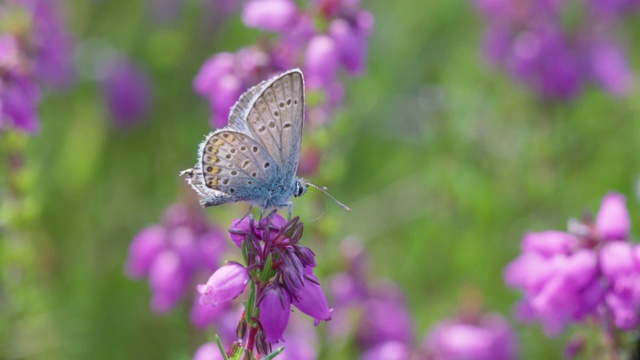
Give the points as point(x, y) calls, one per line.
point(274, 354)
point(221, 348)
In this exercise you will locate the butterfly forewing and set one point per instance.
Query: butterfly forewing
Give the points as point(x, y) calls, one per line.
point(235, 164)
point(275, 120)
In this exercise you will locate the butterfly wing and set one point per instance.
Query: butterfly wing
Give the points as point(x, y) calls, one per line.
point(274, 118)
point(236, 165)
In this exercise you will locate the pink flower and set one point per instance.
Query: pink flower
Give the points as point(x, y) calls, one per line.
point(613, 222)
point(224, 285)
point(275, 307)
point(270, 15)
point(310, 299)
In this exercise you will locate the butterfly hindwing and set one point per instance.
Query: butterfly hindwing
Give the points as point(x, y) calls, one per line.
point(234, 164)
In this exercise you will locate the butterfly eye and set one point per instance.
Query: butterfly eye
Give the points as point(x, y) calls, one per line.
point(300, 189)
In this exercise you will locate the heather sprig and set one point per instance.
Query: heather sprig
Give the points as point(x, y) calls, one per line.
point(547, 47)
point(35, 50)
point(278, 271)
point(587, 275)
point(173, 254)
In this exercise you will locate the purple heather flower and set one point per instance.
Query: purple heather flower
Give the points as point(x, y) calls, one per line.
point(616, 258)
point(54, 55)
point(568, 277)
point(530, 41)
point(613, 221)
point(168, 281)
point(321, 62)
point(202, 316)
point(301, 340)
point(549, 243)
point(173, 253)
point(270, 15)
point(385, 318)
point(19, 97)
point(390, 350)
point(310, 299)
point(275, 307)
point(143, 250)
point(351, 43)
point(208, 351)
point(225, 284)
point(490, 338)
point(127, 92)
point(610, 68)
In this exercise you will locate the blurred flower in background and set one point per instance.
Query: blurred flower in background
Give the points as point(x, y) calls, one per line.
point(533, 42)
point(590, 272)
point(35, 50)
point(172, 254)
point(320, 39)
point(127, 91)
point(478, 337)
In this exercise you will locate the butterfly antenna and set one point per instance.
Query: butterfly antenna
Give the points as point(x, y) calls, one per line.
point(324, 191)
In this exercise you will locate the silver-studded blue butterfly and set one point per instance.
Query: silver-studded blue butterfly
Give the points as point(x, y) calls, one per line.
point(255, 158)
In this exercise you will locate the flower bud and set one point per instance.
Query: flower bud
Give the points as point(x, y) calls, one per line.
point(275, 307)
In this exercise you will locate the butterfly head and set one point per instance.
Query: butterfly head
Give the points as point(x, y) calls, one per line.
point(301, 187)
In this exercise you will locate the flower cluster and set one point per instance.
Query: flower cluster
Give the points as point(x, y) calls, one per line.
point(173, 253)
point(533, 42)
point(384, 326)
point(327, 36)
point(280, 271)
point(591, 271)
point(35, 49)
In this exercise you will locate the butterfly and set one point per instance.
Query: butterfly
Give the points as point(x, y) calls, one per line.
point(254, 159)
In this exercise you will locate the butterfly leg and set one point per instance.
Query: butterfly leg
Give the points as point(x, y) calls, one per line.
point(247, 213)
point(289, 205)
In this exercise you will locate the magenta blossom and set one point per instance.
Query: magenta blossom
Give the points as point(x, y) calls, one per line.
point(530, 40)
point(270, 15)
point(486, 338)
point(310, 299)
point(225, 284)
point(127, 92)
point(592, 272)
point(33, 53)
point(275, 307)
point(171, 254)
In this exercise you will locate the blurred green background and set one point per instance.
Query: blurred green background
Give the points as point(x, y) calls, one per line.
point(445, 164)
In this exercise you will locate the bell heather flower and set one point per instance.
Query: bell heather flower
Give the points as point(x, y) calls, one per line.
point(590, 272)
point(35, 51)
point(173, 253)
point(485, 337)
point(127, 92)
point(225, 284)
point(280, 272)
point(390, 350)
point(208, 351)
point(310, 299)
point(275, 307)
point(202, 316)
point(270, 15)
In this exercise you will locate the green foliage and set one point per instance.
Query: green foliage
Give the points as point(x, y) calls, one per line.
point(445, 164)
